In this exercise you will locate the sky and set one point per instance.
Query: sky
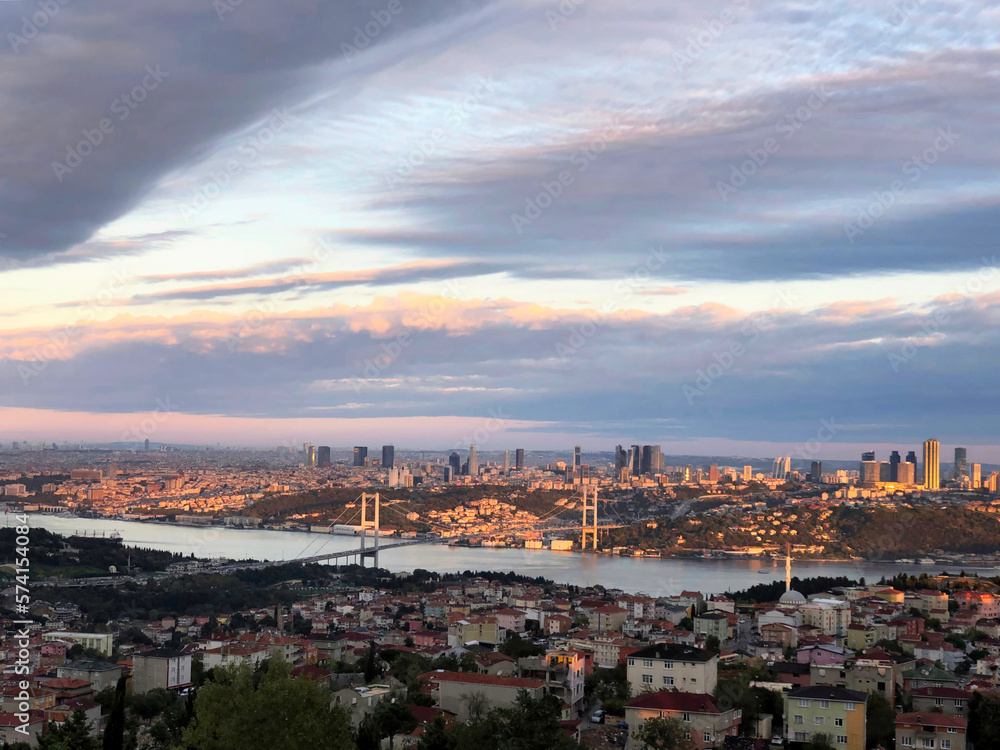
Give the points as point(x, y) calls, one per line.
point(741, 227)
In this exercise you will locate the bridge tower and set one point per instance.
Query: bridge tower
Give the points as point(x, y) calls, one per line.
point(369, 523)
point(589, 513)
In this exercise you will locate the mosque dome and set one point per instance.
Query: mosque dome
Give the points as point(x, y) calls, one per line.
point(792, 597)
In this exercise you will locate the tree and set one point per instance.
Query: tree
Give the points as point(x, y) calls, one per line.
point(984, 719)
point(436, 736)
point(663, 733)
point(712, 644)
point(517, 647)
point(371, 664)
point(72, 734)
point(114, 730)
point(820, 742)
point(880, 728)
point(279, 712)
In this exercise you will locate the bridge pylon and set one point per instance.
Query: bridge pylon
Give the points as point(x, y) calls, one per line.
point(367, 523)
point(589, 515)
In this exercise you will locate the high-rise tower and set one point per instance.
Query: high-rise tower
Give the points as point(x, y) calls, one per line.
point(932, 465)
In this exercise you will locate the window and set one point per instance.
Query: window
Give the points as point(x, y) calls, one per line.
point(687, 736)
point(928, 743)
point(647, 662)
point(939, 701)
point(669, 665)
point(838, 722)
point(694, 679)
point(803, 703)
point(906, 741)
point(818, 720)
point(686, 716)
point(798, 719)
point(945, 744)
point(800, 736)
point(631, 662)
point(647, 679)
point(850, 706)
point(668, 680)
point(824, 704)
point(952, 730)
point(841, 739)
point(959, 703)
point(708, 736)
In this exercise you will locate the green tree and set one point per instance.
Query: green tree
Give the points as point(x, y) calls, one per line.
point(820, 742)
point(279, 712)
point(114, 730)
point(663, 733)
point(436, 736)
point(371, 664)
point(712, 644)
point(984, 719)
point(880, 728)
point(73, 734)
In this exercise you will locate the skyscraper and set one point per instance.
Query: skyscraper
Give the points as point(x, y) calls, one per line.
point(782, 466)
point(906, 473)
point(894, 460)
point(636, 460)
point(455, 462)
point(577, 457)
point(884, 471)
point(519, 459)
point(868, 456)
point(388, 456)
point(911, 458)
point(506, 462)
point(145, 445)
point(747, 473)
point(323, 456)
point(961, 468)
point(869, 473)
point(360, 455)
point(977, 476)
point(311, 455)
point(621, 458)
point(932, 465)
point(816, 471)
point(473, 462)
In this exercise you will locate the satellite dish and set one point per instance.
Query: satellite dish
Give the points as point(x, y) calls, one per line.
point(112, 569)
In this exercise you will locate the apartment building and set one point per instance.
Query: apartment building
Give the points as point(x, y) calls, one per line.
point(666, 666)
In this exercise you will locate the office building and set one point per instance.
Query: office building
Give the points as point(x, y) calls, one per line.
point(473, 462)
point(621, 459)
point(932, 465)
point(323, 456)
point(388, 456)
point(868, 456)
point(311, 455)
point(506, 462)
point(747, 473)
point(145, 445)
point(455, 462)
point(519, 459)
point(713, 474)
point(894, 461)
point(869, 473)
point(961, 468)
point(449, 473)
point(577, 457)
point(885, 471)
point(906, 473)
point(816, 471)
point(911, 458)
point(651, 461)
point(977, 476)
point(782, 466)
point(636, 460)
point(360, 455)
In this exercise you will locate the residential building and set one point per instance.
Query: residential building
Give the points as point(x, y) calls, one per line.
point(452, 690)
point(836, 712)
point(929, 729)
point(162, 668)
point(672, 666)
point(103, 643)
point(705, 724)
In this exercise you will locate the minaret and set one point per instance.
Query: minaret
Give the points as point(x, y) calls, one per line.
point(788, 569)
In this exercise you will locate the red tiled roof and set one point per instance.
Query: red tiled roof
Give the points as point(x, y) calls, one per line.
point(932, 718)
point(486, 679)
point(668, 700)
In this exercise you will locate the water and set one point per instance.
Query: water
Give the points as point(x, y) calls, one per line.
point(652, 576)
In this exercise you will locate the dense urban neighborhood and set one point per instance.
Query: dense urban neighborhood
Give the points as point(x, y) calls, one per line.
point(372, 659)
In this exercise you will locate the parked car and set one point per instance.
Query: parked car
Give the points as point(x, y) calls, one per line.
point(598, 717)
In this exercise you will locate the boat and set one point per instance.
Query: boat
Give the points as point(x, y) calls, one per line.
point(764, 572)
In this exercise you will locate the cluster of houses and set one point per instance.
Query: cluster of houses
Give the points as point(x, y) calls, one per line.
point(825, 654)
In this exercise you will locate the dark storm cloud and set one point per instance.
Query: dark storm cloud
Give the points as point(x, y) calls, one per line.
point(104, 99)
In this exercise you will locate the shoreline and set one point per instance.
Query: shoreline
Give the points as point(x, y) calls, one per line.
point(964, 563)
